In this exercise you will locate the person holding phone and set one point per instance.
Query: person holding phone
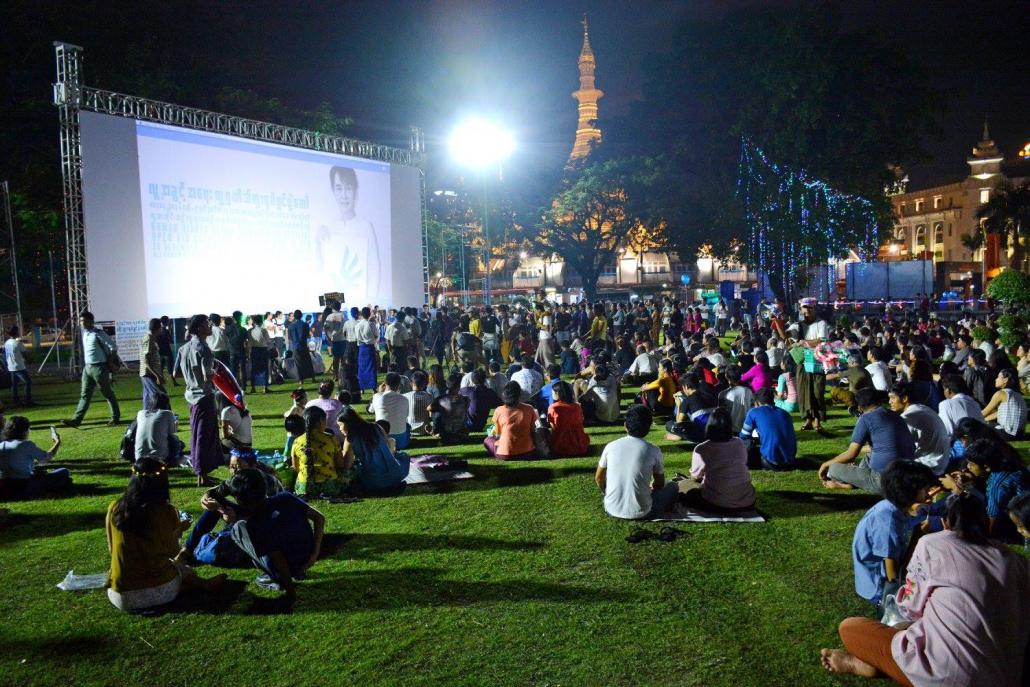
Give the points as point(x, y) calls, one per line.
point(21, 461)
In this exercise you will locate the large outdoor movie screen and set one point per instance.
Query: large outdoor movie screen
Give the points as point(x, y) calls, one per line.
point(180, 221)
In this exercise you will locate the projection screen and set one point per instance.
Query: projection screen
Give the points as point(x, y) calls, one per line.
point(180, 221)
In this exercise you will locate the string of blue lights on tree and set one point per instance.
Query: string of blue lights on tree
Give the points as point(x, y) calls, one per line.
point(797, 222)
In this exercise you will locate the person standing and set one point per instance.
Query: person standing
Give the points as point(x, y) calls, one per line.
point(14, 351)
point(811, 378)
point(333, 326)
point(97, 350)
point(259, 343)
point(366, 337)
point(196, 362)
point(217, 342)
point(237, 347)
point(150, 363)
point(299, 332)
point(164, 347)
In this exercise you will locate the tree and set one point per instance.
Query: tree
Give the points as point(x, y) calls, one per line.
point(1007, 214)
point(1011, 287)
point(593, 214)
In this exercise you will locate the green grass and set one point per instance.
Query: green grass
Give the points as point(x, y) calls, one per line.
point(516, 577)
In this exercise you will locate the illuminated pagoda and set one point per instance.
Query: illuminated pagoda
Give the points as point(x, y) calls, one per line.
point(587, 133)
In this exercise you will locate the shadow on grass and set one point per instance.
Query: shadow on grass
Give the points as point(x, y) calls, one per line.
point(24, 526)
point(374, 545)
point(780, 503)
point(501, 476)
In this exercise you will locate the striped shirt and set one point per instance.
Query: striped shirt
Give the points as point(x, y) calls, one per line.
point(418, 408)
point(1012, 413)
point(1001, 488)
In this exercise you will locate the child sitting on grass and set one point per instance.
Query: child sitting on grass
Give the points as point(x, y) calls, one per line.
point(294, 425)
point(300, 401)
point(882, 536)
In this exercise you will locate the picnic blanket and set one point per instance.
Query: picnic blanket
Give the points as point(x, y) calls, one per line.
point(681, 513)
point(434, 470)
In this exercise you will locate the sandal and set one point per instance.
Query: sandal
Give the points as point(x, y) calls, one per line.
point(668, 534)
point(638, 535)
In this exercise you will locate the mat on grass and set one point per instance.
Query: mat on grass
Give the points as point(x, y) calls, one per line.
point(681, 513)
point(435, 469)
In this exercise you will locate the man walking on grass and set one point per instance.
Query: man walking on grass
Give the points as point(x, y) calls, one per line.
point(97, 351)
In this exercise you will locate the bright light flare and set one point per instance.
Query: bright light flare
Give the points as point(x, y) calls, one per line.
point(479, 143)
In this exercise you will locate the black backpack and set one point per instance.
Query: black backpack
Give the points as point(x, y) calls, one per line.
point(467, 341)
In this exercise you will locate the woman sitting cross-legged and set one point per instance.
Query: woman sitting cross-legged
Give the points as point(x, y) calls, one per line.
point(512, 437)
point(378, 471)
point(719, 465)
point(318, 459)
point(143, 530)
point(565, 416)
point(967, 604)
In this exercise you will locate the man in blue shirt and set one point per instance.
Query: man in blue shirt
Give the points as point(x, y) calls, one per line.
point(883, 434)
point(97, 349)
point(777, 445)
point(883, 534)
point(546, 397)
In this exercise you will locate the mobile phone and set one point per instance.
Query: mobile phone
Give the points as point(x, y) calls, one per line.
point(185, 517)
point(53, 433)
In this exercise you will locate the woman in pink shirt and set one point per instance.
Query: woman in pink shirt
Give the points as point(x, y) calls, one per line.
point(968, 600)
point(330, 406)
point(760, 376)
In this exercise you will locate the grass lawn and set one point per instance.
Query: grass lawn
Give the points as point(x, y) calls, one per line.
point(516, 577)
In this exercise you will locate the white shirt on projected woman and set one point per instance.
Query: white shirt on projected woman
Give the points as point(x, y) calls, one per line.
point(349, 257)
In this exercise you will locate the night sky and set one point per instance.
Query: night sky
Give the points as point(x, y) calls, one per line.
point(390, 64)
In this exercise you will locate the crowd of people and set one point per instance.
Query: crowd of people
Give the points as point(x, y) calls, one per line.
point(936, 404)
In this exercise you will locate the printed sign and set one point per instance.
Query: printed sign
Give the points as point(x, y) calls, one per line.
point(128, 334)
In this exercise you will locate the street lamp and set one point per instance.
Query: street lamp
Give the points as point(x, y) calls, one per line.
point(480, 144)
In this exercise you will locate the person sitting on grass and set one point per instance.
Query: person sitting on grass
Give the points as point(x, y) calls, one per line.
point(737, 398)
point(881, 433)
point(565, 417)
point(1019, 515)
point(300, 401)
point(760, 376)
point(546, 395)
point(719, 466)
point(497, 379)
point(154, 435)
point(644, 367)
point(419, 400)
point(569, 360)
point(957, 402)
point(379, 472)
point(1007, 408)
point(449, 413)
point(512, 437)
point(856, 376)
point(998, 472)
point(693, 405)
point(21, 473)
point(933, 444)
point(660, 395)
point(482, 401)
point(332, 406)
point(281, 534)
point(967, 605)
point(528, 379)
point(631, 472)
point(390, 405)
point(318, 460)
point(600, 398)
point(143, 531)
point(237, 426)
point(882, 536)
point(786, 385)
point(777, 445)
point(294, 426)
point(211, 504)
point(385, 427)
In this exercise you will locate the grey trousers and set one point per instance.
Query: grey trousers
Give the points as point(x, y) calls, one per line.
point(858, 475)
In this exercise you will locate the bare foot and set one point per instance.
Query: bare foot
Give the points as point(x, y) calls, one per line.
point(669, 436)
point(834, 484)
point(840, 661)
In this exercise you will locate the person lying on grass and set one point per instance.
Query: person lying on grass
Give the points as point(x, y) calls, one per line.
point(282, 535)
point(967, 604)
point(882, 536)
point(143, 530)
point(880, 433)
point(631, 472)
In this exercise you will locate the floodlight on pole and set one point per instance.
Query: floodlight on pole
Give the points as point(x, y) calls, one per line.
point(480, 144)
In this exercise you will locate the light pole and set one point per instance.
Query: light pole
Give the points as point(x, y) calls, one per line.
point(479, 144)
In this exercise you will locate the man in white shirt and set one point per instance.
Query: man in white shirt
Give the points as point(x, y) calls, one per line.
point(217, 341)
point(644, 367)
point(878, 370)
point(713, 352)
point(545, 346)
point(14, 351)
point(738, 399)
point(933, 440)
point(528, 379)
point(497, 379)
point(631, 472)
point(390, 405)
point(418, 404)
point(333, 328)
point(957, 403)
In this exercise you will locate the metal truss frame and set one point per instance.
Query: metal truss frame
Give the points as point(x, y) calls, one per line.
point(71, 97)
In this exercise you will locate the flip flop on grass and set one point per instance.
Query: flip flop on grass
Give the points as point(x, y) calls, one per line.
point(639, 534)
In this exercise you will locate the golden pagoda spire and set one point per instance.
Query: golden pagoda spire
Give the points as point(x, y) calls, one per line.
point(588, 94)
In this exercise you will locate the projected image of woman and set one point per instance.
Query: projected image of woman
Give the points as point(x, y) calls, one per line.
point(347, 250)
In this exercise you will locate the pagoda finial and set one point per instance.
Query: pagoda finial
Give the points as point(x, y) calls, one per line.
point(586, 26)
point(987, 131)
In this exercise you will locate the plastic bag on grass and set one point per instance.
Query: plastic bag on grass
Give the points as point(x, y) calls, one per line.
point(74, 583)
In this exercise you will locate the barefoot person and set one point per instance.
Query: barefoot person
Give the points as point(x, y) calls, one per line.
point(968, 603)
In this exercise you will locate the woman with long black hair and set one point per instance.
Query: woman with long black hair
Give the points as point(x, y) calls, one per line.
point(379, 471)
point(143, 531)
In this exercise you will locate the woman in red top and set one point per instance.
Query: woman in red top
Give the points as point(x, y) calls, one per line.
point(566, 419)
